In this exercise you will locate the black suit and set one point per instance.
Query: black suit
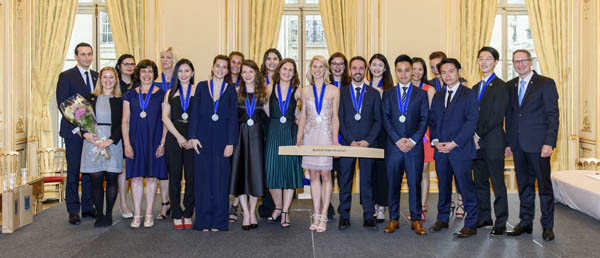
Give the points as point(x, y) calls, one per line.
point(397, 162)
point(352, 130)
point(489, 163)
point(70, 83)
point(530, 126)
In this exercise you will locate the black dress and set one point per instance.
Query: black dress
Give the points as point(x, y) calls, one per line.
point(248, 162)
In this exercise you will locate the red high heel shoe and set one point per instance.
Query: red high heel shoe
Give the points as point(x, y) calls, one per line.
point(187, 224)
point(178, 227)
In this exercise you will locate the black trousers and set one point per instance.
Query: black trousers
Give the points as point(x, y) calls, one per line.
point(96, 180)
point(180, 161)
point(489, 166)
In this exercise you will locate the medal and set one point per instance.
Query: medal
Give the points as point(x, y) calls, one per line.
point(378, 84)
point(250, 107)
point(185, 101)
point(337, 83)
point(319, 101)
point(215, 117)
point(482, 88)
point(165, 86)
point(403, 106)
point(283, 107)
point(357, 103)
point(144, 101)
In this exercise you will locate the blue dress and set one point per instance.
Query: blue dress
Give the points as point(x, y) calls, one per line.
point(211, 169)
point(144, 136)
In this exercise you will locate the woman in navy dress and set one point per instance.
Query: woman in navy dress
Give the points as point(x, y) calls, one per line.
point(213, 132)
point(144, 139)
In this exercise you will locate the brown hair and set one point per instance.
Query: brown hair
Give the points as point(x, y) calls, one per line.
point(145, 64)
point(228, 78)
point(116, 91)
point(260, 91)
point(437, 54)
point(346, 80)
point(295, 81)
point(219, 57)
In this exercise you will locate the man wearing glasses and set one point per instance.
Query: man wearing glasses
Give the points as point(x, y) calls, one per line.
point(532, 127)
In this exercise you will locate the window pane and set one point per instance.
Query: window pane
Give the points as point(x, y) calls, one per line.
point(518, 36)
point(315, 39)
point(105, 32)
point(496, 41)
point(82, 32)
point(291, 2)
point(288, 37)
point(86, 1)
point(107, 46)
point(311, 1)
point(516, 1)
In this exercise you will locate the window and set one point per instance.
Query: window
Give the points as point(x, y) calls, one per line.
point(511, 32)
point(301, 36)
point(92, 26)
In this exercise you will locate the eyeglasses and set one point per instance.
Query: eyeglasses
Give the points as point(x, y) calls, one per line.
point(522, 61)
point(128, 64)
point(337, 64)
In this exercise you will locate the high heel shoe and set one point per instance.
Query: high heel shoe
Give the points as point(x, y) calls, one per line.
point(272, 219)
point(125, 215)
point(380, 217)
point(460, 210)
point(168, 213)
point(285, 223)
point(315, 217)
point(246, 227)
point(136, 222)
point(149, 221)
point(187, 223)
point(321, 228)
point(423, 214)
point(452, 208)
point(233, 214)
point(178, 226)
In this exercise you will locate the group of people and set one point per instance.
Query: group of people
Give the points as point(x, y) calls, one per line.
point(222, 136)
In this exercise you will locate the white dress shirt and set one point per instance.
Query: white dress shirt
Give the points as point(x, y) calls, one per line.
point(89, 71)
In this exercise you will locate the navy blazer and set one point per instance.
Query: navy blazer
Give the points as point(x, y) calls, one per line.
point(535, 123)
point(70, 83)
point(455, 123)
point(369, 125)
point(417, 116)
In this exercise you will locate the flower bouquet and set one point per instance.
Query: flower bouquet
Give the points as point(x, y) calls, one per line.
point(79, 112)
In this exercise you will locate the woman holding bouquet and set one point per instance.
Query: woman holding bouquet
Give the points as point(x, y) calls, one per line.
point(107, 104)
point(144, 139)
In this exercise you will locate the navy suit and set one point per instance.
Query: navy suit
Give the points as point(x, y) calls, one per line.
point(529, 127)
point(456, 123)
point(417, 115)
point(367, 128)
point(70, 83)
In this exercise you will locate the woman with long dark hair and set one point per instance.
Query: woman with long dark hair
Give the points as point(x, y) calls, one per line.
point(271, 59)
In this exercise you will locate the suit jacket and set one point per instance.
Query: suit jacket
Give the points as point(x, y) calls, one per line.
point(417, 116)
point(368, 127)
point(455, 123)
point(535, 123)
point(116, 115)
point(70, 83)
point(492, 110)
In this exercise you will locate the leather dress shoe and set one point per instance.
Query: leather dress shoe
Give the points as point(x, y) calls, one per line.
point(498, 231)
point(391, 226)
point(465, 232)
point(91, 214)
point(371, 224)
point(548, 234)
point(486, 223)
point(343, 224)
point(518, 230)
point(418, 228)
point(438, 226)
point(74, 219)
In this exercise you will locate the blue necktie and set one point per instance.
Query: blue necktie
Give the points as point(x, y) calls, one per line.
point(87, 81)
point(521, 91)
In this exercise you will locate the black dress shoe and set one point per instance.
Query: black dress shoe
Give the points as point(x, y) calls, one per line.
point(253, 226)
point(438, 226)
point(498, 231)
point(371, 224)
point(74, 219)
point(486, 223)
point(99, 222)
point(108, 220)
point(344, 224)
point(91, 214)
point(518, 230)
point(548, 234)
point(465, 232)
point(246, 227)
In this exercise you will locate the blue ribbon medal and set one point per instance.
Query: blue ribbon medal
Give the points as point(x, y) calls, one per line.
point(403, 106)
point(357, 106)
point(319, 102)
point(144, 102)
point(215, 117)
point(283, 107)
point(185, 101)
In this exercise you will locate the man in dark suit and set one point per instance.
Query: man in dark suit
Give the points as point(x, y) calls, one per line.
point(532, 126)
point(434, 59)
point(77, 80)
point(490, 140)
point(405, 115)
point(360, 123)
point(453, 120)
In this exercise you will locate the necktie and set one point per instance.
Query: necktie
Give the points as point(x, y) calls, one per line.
point(404, 94)
point(449, 98)
point(87, 81)
point(521, 91)
point(357, 94)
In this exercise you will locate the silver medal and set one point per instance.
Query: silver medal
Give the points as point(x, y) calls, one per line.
point(215, 117)
point(357, 117)
point(402, 119)
point(143, 114)
point(282, 119)
point(319, 119)
point(250, 122)
point(184, 116)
